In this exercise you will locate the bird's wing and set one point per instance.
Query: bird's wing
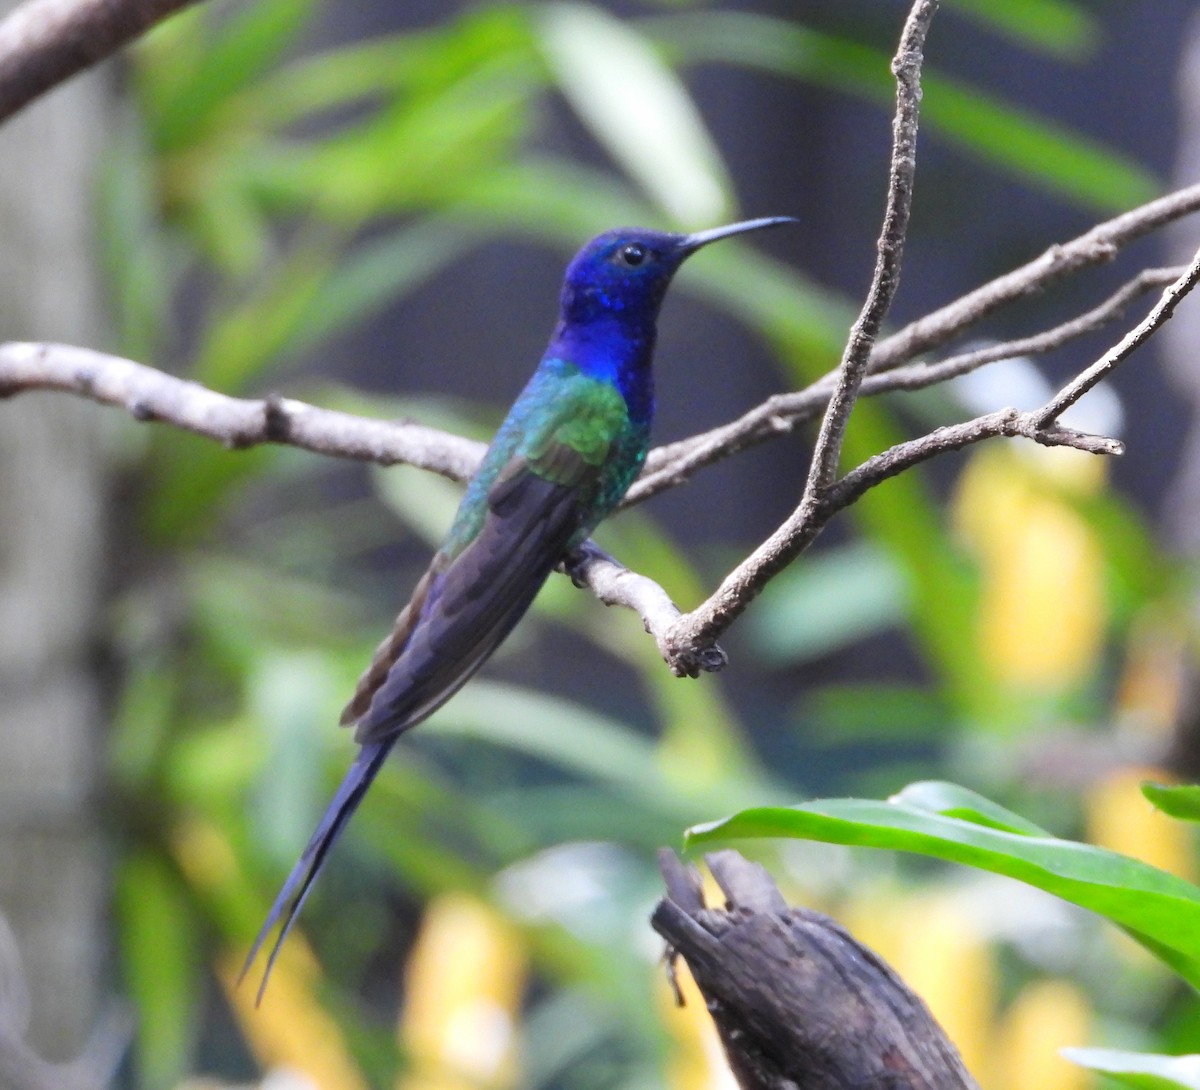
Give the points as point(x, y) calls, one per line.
point(464, 607)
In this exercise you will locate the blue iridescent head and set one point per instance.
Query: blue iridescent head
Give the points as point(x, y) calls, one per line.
point(623, 275)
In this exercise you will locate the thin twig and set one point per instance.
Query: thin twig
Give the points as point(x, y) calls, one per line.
point(1004, 422)
point(917, 376)
point(1158, 316)
point(147, 394)
point(45, 42)
point(886, 279)
point(1095, 247)
point(1041, 425)
point(616, 585)
point(675, 463)
point(703, 625)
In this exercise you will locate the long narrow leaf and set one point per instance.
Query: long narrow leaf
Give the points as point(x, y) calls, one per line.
point(638, 108)
point(1003, 135)
point(1146, 1072)
point(1149, 903)
point(1057, 27)
point(1179, 800)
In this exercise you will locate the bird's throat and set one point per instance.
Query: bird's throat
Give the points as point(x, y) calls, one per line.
point(613, 351)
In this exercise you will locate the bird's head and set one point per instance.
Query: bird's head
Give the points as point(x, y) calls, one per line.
point(624, 273)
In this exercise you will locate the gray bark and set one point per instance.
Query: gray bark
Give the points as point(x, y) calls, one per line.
point(798, 1003)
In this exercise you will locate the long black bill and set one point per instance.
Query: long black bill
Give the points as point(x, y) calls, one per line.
point(693, 242)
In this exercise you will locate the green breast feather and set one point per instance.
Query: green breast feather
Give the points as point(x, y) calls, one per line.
point(576, 432)
point(567, 428)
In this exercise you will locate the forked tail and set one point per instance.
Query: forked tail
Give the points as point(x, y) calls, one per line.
point(292, 896)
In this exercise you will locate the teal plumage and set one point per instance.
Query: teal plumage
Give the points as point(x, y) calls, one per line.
point(562, 416)
point(570, 447)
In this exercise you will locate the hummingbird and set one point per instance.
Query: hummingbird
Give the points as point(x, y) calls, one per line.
point(570, 447)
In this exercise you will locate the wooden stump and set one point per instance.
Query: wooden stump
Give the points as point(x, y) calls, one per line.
point(798, 1003)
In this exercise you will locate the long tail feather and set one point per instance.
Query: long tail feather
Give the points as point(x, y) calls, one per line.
point(296, 889)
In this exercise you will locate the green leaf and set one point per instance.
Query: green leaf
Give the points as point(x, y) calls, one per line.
point(377, 273)
point(425, 502)
point(159, 933)
point(848, 714)
point(827, 602)
point(140, 732)
point(259, 325)
point(415, 65)
point(950, 800)
point(1003, 135)
point(241, 50)
point(294, 697)
point(419, 152)
point(188, 479)
point(638, 109)
point(1179, 800)
point(1157, 908)
point(1056, 27)
point(1141, 1070)
point(591, 746)
point(462, 106)
point(138, 276)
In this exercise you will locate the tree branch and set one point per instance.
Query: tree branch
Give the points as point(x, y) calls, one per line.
point(1095, 247)
point(906, 66)
point(695, 630)
point(615, 585)
point(673, 464)
point(1134, 339)
point(147, 394)
point(45, 42)
point(702, 627)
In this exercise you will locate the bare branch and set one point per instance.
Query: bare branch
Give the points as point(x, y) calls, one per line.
point(615, 585)
point(857, 356)
point(919, 375)
point(675, 463)
point(45, 42)
point(1004, 422)
point(695, 630)
point(701, 627)
point(779, 414)
point(147, 394)
point(1137, 336)
point(1095, 247)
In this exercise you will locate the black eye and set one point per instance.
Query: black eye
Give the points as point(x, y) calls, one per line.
point(632, 255)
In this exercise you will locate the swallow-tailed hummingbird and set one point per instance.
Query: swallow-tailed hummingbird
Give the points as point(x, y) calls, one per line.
point(569, 448)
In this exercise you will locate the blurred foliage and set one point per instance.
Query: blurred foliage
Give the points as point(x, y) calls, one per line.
point(265, 196)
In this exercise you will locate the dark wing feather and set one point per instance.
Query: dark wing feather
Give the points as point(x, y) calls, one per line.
point(392, 646)
point(471, 604)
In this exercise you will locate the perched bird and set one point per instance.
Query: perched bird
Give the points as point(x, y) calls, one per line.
point(569, 448)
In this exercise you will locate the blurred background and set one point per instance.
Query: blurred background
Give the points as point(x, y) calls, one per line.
point(369, 206)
